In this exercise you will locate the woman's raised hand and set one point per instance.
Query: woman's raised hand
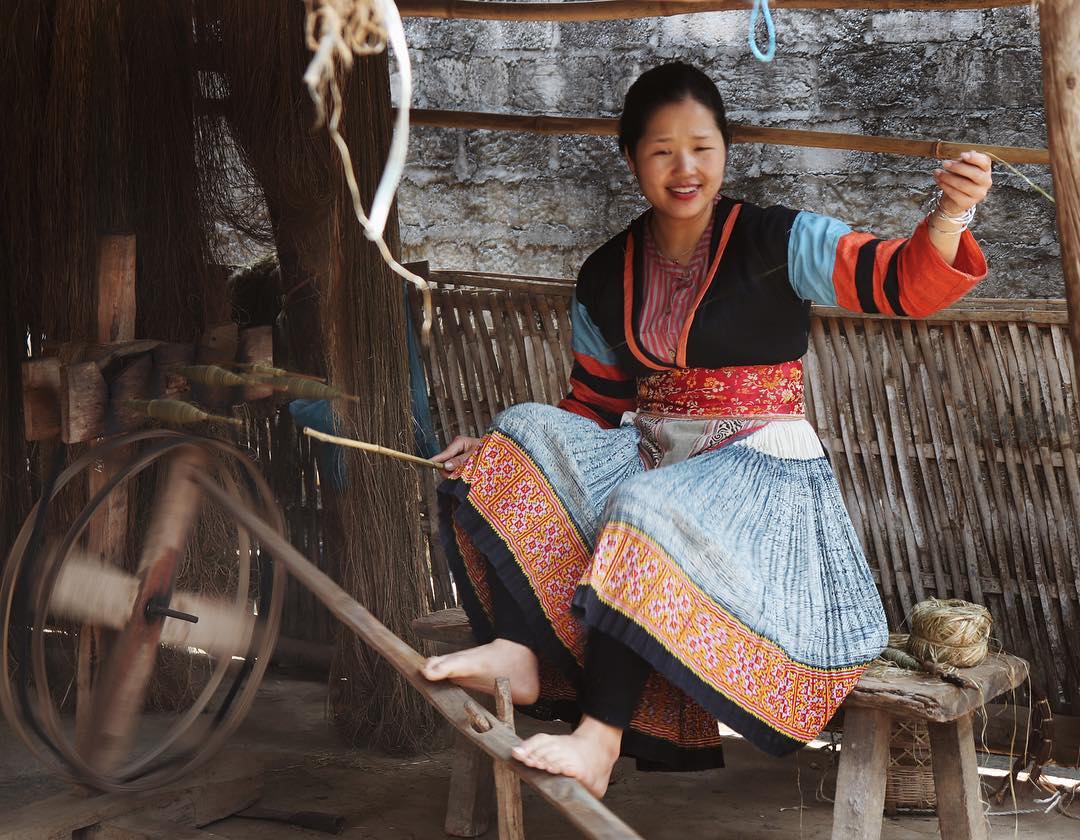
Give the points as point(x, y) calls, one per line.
point(457, 452)
point(964, 182)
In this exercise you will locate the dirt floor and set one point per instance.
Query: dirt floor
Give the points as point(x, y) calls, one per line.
point(754, 798)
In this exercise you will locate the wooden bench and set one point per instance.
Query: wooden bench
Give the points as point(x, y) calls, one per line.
point(952, 441)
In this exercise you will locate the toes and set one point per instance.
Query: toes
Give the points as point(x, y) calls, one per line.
point(434, 668)
point(531, 751)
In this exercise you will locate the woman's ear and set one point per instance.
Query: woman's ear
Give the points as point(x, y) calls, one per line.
point(630, 163)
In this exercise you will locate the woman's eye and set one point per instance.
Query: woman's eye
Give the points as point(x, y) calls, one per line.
point(704, 149)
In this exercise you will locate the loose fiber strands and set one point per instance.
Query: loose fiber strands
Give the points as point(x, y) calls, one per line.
point(951, 632)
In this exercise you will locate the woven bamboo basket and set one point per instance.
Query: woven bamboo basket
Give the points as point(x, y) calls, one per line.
point(909, 780)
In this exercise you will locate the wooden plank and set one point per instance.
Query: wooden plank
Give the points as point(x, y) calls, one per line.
point(602, 126)
point(586, 10)
point(116, 288)
point(929, 698)
point(956, 780)
point(507, 785)
point(41, 398)
point(580, 807)
point(228, 784)
point(1059, 33)
point(450, 626)
point(860, 778)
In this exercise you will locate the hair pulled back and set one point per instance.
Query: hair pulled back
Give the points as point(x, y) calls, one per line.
point(665, 85)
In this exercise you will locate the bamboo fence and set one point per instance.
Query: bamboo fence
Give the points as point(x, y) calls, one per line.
point(952, 439)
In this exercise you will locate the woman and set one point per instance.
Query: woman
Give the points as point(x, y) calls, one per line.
point(668, 547)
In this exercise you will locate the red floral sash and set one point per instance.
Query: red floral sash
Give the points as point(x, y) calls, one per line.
point(748, 391)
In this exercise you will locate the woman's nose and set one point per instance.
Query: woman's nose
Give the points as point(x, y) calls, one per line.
point(684, 163)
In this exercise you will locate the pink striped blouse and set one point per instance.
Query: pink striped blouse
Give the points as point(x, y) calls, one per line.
point(670, 292)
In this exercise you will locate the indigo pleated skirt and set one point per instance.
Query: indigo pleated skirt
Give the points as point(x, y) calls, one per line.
point(735, 573)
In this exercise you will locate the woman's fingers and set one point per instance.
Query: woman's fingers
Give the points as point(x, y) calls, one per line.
point(975, 174)
point(965, 181)
point(962, 186)
point(460, 446)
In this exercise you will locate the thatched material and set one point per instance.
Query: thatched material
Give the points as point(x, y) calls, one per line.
point(343, 317)
point(367, 355)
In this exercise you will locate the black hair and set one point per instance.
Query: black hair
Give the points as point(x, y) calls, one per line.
point(665, 85)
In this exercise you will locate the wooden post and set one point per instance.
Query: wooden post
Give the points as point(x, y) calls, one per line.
point(107, 535)
point(860, 780)
point(507, 784)
point(956, 780)
point(1059, 27)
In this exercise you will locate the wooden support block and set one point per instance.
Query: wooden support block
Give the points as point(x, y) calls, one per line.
point(41, 398)
point(166, 384)
point(507, 784)
point(116, 288)
point(860, 779)
point(84, 400)
point(134, 382)
point(223, 787)
point(956, 779)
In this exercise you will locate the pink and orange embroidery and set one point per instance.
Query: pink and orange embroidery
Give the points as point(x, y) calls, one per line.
point(749, 391)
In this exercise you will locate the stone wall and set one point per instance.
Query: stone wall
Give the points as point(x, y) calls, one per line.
point(513, 202)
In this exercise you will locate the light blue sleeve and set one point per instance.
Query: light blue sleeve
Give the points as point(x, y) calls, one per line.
point(586, 338)
point(812, 256)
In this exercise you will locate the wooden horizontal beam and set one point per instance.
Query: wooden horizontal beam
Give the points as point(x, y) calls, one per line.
point(601, 126)
point(591, 10)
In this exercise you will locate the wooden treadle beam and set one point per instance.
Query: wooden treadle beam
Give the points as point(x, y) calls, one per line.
point(568, 796)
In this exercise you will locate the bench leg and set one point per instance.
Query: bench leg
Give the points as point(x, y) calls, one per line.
point(472, 785)
point(860, 779)
point(956, 779)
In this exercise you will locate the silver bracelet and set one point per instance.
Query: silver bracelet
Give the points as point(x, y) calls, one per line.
point(964, 219)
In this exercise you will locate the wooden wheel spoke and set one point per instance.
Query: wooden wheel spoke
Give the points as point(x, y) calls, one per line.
point(223, 628)
point(105, 596)
point(94, 593)
point(119, 694)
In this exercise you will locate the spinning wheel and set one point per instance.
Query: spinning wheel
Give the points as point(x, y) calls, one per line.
point(57, 588)
point(53, 588)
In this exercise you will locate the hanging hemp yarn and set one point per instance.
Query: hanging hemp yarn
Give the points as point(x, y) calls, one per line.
point(951, 632)
point(335, 31)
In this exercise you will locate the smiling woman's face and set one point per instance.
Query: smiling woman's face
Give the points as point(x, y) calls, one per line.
point(679, 161)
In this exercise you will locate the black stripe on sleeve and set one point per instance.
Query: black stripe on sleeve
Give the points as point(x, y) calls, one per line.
point(891, 286)
point(614, 388)
point(864, 276)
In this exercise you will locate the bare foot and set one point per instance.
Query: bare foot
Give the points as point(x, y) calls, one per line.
point(588, 754)
point(477, 668)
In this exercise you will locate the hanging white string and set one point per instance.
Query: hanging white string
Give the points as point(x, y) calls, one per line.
point(336, 31)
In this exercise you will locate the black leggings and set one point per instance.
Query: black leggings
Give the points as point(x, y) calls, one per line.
point(613, 678)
